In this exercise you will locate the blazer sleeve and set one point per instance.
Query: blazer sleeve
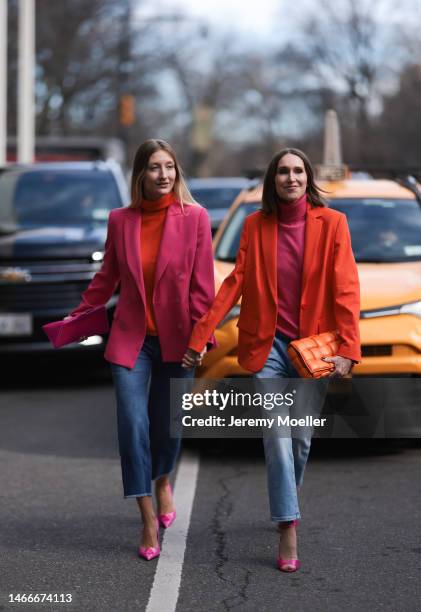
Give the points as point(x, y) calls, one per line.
point(105, 281)
point(346, 294)
point(202, 282)
point(227, 296)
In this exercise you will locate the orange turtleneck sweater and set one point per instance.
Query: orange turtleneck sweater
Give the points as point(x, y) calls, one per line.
point(154, 213)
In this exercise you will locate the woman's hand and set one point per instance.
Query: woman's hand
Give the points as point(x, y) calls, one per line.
point(343, 366)
point(192, 358)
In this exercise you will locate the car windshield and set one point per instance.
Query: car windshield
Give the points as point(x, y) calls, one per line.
point(382, 230)
point(51, 197)
point(215, 197)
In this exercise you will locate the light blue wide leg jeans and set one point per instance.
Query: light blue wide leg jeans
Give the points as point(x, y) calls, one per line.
point(286, 456)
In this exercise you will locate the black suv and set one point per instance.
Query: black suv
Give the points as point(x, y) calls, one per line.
point(53, 223)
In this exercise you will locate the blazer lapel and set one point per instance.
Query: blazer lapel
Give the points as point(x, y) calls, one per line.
point(171, 239)
point(311, 242)
point(269, 240)
point(132, 233)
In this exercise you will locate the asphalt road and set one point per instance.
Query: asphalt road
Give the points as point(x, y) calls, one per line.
point(65, 528)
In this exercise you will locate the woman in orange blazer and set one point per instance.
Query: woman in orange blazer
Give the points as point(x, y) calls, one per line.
point(297, 276)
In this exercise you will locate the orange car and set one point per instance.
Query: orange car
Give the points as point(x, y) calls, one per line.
point(385, 224)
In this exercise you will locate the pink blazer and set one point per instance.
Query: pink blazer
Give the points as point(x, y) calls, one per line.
point(184, 282)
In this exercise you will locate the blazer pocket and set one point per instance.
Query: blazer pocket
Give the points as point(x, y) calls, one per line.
point(248, 323)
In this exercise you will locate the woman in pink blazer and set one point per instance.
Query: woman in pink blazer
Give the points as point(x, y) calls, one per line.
point(159, 250)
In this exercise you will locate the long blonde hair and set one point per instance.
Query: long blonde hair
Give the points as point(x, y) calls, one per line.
point(140, 163)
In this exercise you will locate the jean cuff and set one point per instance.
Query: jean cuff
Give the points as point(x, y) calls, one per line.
point(283, 519)
point(138, 495)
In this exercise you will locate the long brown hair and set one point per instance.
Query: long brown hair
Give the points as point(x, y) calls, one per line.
point(140, 163)
point(270, 198)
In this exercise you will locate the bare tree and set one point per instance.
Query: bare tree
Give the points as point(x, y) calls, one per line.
point(205, 70)
point(398, 129)
point(84, 64)
point(351, 51)
point(230, 99)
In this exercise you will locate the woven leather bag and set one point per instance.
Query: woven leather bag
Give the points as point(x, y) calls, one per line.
point(306, 354)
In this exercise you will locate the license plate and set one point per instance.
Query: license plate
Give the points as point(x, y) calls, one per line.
point(15, 324)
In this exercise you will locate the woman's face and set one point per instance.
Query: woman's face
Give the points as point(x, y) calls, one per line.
point(290, 178)
point(159, 176)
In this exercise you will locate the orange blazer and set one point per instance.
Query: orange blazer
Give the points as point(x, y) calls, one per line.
point(330, 292)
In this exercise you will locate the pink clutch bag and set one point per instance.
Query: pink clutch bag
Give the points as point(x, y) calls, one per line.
point(89, 323)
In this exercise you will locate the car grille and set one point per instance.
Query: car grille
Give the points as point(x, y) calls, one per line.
point(53, 287)
point(33, 297)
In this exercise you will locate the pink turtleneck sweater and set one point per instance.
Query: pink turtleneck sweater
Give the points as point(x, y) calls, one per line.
point(290, 256)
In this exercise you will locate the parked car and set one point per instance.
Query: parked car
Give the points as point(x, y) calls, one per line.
point(217, 195)
point(385, 225)
point(53, 223)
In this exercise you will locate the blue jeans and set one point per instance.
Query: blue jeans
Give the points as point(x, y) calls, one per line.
point(286, 457)
point(147, 450)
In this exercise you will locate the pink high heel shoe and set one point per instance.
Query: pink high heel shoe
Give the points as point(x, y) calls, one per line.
point(288, 565)
point(167, 519)
point(150, 552)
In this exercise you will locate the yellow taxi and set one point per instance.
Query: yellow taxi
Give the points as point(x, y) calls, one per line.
point(385, 225)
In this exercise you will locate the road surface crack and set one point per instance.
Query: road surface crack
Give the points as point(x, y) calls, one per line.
point(223, 511)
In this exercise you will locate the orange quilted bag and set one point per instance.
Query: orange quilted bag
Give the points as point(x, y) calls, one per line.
point(306, 354)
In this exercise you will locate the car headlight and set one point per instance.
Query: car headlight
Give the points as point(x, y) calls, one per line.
point(97, 256)
point(413, 308)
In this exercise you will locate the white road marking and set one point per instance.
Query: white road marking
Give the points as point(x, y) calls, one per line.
point(166, 585)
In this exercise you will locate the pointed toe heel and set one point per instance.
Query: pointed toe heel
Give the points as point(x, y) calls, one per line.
point(168, 519)
point(150, 552)
point(288, 565)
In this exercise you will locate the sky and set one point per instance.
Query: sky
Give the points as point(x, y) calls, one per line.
point(234, 13)
point(263, 16)
point(238, 15)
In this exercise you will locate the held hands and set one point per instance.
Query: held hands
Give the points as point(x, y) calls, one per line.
point(192, 358)
point(343, 366)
